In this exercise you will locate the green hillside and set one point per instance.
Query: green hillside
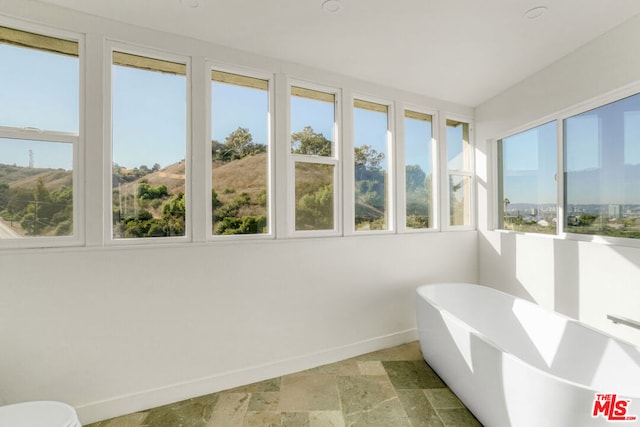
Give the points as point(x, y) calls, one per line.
point(36, 201)
point(150, 202)
point(23, 177)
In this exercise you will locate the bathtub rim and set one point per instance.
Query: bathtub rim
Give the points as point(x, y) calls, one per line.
point(510, 354)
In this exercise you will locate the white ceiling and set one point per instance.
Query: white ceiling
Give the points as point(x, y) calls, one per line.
point(465, 51)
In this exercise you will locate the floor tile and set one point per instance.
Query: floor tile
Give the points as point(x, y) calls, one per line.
point(364, 392)
point(390, 388)
point(309, 393)
point(267, 401)
point(230, 410)
point(412, 374)
point(443, 398)
point(295, 419)
point(326, 419)
point(188, 413)
point(373, 367)
point(268, 385)
point(262, 419)
point(385, 414)
point(418, 409)
point(458, 418)
point(131, 420)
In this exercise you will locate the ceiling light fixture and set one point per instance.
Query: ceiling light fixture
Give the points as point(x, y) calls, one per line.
point(331, 6)
point(535, 13)
point(190, 3)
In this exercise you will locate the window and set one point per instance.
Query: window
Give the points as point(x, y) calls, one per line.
point(372, 140)
point(148, 147)
point(39, 129)
point(527, 164)
point(313, 152)
point(419, 149)
point(239, 150)
point(602, 170)
point(460, 173)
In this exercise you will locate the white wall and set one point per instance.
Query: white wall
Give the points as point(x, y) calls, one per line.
point(583, 279)
point(112, 330)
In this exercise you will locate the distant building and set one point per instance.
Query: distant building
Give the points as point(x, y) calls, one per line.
point(615, 211)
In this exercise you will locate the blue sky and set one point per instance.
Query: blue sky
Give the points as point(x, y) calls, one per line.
point(418, 140)
point(602, 153)
point(149, 125)
point(149, 113)
point(454, 147)
point(42, 105)
point(320, 115)
point(529, 165)
point(235, 106)
point(370, 128)
point(149, 117)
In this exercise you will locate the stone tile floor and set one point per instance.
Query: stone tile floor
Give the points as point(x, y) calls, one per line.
point(387, 388)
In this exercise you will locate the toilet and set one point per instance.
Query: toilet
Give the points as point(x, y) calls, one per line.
point(38, 414)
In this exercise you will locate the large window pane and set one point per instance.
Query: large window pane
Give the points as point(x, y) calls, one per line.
point(371, 149)
point(39, 101)
point(313, 124)
point(528, 164)
point(314, 196)
point(602, 170)
point(460, 170)
point(458, 146)
point(148, 147)
point(39, 84)
point(36, 188)
point(459, 200)
point(239, 128)
point(418, 170)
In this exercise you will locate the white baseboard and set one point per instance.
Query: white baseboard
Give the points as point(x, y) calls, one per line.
point(143, 400)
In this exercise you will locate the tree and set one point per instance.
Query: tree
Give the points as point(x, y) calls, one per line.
point(173, 216)
point(315, 211)
point(215, 202)
point(218, 150)
point(311, 143)
point(147, 192)
point(369, 185)
point(367, 162)
point(415, 177)
point(237, 144)
point(243, 225)
point(5, 195)
point(39, 210)
point(175, 207)
point(368, 157)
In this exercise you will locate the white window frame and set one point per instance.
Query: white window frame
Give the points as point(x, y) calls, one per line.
point(493, 213)
point(256, 74)
point(401, 176)
point(77, 141)
point(114, 46)
point(590, 104)
point(334, 160)
point(446, 173)
point(391, 164)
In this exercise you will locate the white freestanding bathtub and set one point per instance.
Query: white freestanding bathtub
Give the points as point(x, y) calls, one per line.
point(515, 363)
